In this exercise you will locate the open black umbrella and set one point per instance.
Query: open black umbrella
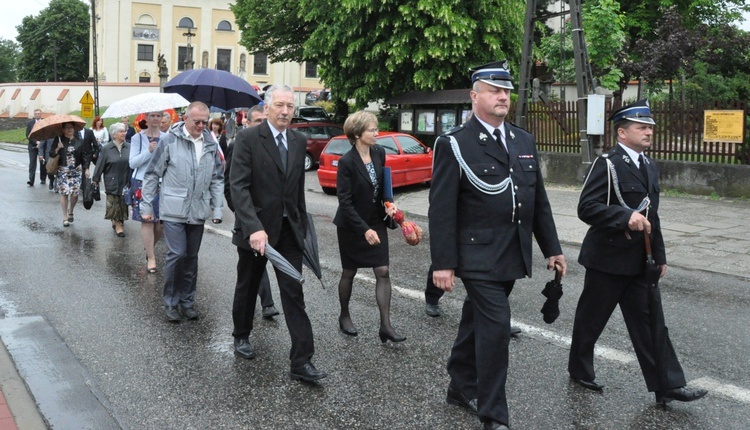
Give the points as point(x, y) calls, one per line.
point(656, 315)
point(214, 88)
point(283, 264)
point(552, 291)
point(310, 255)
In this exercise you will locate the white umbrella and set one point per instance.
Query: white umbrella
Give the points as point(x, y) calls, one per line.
point(145, 102)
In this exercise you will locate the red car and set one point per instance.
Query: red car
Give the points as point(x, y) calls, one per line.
point(409, 159)
point(318, 134)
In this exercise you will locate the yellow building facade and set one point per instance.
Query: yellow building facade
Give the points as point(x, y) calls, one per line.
point(131, 35)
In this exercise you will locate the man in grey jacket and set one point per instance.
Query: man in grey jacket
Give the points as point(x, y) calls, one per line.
point(192, 182)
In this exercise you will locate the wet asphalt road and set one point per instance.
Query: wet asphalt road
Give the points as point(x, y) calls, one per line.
point(92, 287)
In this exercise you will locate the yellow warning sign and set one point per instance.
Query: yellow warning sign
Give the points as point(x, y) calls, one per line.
point(87, 110)
point(86, 99)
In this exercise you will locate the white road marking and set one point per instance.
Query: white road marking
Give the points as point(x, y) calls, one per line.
point(722, 389)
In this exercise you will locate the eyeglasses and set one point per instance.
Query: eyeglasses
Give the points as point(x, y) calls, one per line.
point(199, 121)
point(372, 130)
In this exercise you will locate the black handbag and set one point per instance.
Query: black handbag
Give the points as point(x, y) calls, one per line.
point(88, 195)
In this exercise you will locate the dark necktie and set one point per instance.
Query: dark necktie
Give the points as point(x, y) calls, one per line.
point(282, 150)
point(499, 139)
point(642, 167)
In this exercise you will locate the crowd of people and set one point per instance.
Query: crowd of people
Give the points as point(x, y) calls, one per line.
point(487, 201)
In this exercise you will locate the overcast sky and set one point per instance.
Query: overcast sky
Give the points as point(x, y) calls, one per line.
point(14, 11)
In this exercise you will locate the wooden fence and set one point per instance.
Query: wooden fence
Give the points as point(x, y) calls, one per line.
point(678, 134)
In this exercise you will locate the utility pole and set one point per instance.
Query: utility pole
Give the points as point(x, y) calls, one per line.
point(95, 59)
point(584, 76)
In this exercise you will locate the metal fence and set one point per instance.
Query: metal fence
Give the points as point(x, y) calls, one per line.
point(678, 134)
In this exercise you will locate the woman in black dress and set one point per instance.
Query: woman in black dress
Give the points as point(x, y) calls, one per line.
point(360, 220)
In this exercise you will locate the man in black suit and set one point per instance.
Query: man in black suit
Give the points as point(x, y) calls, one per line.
point(267, 183)
point(486, 200)
point(34, 152)
point(90, 145)
point(264, 291)
point(620, 201)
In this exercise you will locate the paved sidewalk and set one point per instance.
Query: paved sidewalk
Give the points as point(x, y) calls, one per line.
point(699, 233)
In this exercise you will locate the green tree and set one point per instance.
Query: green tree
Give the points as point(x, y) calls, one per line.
point(369, 50)
point(273, 27)
point(55, 43)
point(8, 60)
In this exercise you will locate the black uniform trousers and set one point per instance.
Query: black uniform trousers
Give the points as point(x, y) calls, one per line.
point(250, 270)
point(432, 293)
point(478, 364)
point(601, 293)
point(33, 160)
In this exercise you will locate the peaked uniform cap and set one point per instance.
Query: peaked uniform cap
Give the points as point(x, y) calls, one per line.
point(496, 74)
point(639, 111)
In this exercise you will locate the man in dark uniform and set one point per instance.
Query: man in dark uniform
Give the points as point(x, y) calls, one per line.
point(34, 155)
point(620, 201)
point(487, 198)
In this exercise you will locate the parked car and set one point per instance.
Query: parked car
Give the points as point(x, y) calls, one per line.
point(310, 113)
point(317, 95)
point(409, 159)
point(318, 134)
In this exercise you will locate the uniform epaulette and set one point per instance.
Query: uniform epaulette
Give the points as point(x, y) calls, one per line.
point(520, 128)
point(454, 130)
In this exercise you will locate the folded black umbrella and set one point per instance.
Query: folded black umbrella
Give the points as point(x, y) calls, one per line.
point(656, 315)
point(87, 191)
point(310, 255)
point(552, 291)
point(283, 264)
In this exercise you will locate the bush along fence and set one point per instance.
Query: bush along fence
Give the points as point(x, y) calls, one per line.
point(678, 134)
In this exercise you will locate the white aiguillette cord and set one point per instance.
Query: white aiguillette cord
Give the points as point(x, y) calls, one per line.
point(490, 189)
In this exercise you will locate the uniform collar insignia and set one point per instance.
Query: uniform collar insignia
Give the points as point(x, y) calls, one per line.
point(482, 137)
point(626, 158)
point(512, 136)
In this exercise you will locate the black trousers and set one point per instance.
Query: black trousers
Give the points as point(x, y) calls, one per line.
point(250, 270)
point(478, 364)
point(601, 293)
point(432, 294)
point(33, 160)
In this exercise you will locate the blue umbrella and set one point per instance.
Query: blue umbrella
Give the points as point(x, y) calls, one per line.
point(214, 88)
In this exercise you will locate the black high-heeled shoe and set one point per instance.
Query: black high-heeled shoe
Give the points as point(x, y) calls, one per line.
point(347, 331)
point(393, 338)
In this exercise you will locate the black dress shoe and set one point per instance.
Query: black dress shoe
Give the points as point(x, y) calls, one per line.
point(494, 425)
point(307, 373)
point(269, 312)
point(243, 349)
point(433, 310)
point(43, 182)
point(681, 394)
point(456, 397)
point(347, 331)
point(395, 337)
point(514, 331)
point(191, 313)
point(591, 385)
point(172, 314)
point(29, 183)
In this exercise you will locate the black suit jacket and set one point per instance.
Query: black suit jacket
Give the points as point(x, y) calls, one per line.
point(29, 126)
point(261, 190)
point(476, 234)
point(90, 146)
point(359, 209)
point(606, 247)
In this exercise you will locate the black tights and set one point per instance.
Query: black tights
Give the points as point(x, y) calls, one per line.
point(382, 296)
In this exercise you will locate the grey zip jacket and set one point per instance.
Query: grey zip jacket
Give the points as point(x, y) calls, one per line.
point(189, 189)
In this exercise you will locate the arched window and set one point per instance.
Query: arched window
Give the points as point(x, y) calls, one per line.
point(146, 19)
point(186, 23)
point(224, 25)
point(144, 77)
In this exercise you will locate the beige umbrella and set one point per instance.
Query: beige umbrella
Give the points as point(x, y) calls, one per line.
point(52, 126)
